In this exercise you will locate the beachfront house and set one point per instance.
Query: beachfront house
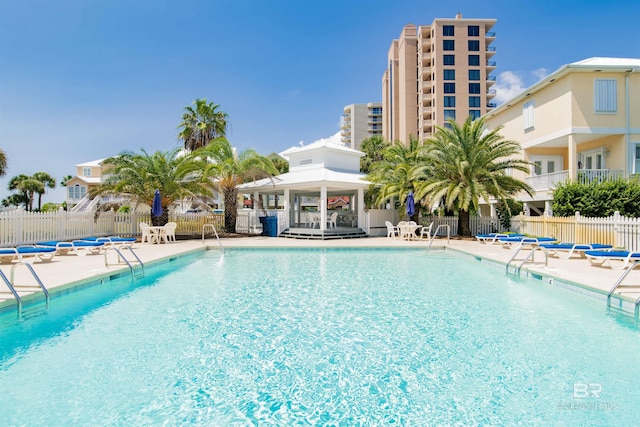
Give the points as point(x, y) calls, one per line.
point(581, 122)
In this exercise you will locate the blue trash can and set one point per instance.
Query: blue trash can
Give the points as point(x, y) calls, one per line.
point(272, 226)
point(269, 225)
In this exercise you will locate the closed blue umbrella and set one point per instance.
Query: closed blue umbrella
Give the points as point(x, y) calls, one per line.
point(156, 209)
point(411, 205)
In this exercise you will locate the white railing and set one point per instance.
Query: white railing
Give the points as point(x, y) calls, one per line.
point(549, 181)
point(546, 181)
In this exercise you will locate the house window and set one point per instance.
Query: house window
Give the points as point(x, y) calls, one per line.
point(636, 164)
point(447, 30)
point(474, 87)
point(474, 74)
point(305, 162)
point(449, 74)
point(527, 115)
point(474, 45)
point(449, 114)
point(474, 114)
point(473, 30)
point(449, 60)
point(449, 88)
point(474, 59)
point(448, 45)
point(593, 159)
point(606, 95)
point(546, 164)
point(474, 101)
point(86, 171)
point(77, 192)
point(449, 101)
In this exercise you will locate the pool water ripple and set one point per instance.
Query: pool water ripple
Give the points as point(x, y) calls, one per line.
point(329, 338)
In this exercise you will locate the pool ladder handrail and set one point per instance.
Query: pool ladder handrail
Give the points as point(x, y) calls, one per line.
point(204, 227)
point(435, 233)
point(11, 284)
point(126, 261)
point(525, 259)
point(618, 284)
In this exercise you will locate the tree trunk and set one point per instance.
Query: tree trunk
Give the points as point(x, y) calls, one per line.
point(464, 223)
point(230, 209)
point(159, 221)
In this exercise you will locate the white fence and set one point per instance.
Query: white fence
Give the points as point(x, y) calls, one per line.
point(20, 227)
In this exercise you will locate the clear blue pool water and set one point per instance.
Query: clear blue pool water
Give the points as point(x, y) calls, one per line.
point(321, 337)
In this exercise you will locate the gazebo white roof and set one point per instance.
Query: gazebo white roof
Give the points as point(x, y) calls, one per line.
point(311, 178)
point(324, 163)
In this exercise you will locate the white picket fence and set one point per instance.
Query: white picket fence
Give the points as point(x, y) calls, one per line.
point(19, 227)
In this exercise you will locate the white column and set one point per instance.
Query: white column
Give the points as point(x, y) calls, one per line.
point(323, 207)
point(494, 212)
point(547, 208)
point(360, 207)
point(287, 208)
point(573, 158)
point(527, 209)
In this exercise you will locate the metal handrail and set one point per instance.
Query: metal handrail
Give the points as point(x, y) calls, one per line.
point(122, 257)
point(525, 259)
point(215, 232)
point(14, 292)
point(11, 284)
point(435, 233)
point(619, 284)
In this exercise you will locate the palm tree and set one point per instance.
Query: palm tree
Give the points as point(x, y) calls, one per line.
point(373, 148)
point(136, 176)
point(47, 181)
point(3, 163)
point(27, 186)
point(466, 163)
point(201, 123)
point(394, 175)
point(229, 169)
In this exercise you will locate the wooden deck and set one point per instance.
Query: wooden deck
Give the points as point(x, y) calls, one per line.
point(314, 233)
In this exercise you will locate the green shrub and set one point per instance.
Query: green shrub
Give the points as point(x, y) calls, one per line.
point(597, 199)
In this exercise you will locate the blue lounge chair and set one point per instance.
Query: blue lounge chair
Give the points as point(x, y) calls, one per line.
point(25, 253)
point(621, 259)
point(114, 241)
point(77, 247)
point(566, 250)
point(509, 242)
point(492, 238)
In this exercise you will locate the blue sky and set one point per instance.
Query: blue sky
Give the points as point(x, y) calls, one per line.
point(85, 79)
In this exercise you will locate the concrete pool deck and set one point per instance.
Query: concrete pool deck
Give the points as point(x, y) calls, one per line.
point(71, 270)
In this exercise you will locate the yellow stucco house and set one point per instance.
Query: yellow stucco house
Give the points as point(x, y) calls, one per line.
point(580, 122)
point(88, 175)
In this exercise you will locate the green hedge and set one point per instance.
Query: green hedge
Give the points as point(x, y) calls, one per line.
point(597, 199)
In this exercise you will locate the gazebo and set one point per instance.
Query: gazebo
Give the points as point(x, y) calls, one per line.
point(318, 172)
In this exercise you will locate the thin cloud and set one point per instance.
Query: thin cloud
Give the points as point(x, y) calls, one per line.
point(540, 73)
point(508, 85)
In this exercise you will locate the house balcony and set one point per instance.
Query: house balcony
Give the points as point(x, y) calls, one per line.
point(491, 93)
point(427, 112)
point(549, 181)
point(426, 59)
point(426, 88)
point(490, 51)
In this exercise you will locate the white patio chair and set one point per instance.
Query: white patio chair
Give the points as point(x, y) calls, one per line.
point(392, 230)
point(426, 231)
point(146, 233)
point(332, 221)
point(170, 232)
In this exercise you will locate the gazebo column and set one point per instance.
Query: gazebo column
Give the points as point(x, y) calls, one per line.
point(323, 207)
point(360, 207)
point(287, 208)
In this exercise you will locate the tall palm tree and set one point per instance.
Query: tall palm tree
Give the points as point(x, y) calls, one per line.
point(136, 176)
point(3, 163)
point(394, 175)
point(373, 148)
point(466, 163)
point(27, 186)
point(48, 182)
point(201, 123)
point(228, 169)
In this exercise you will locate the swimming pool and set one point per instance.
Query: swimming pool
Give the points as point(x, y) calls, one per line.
point(321, 337)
